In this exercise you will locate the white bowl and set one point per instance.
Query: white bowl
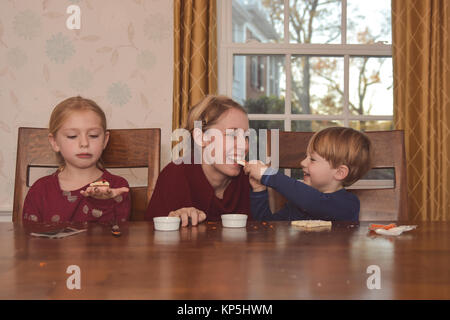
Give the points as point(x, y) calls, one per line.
point(234, 220)
point(166, 223)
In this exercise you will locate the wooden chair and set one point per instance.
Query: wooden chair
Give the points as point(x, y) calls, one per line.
point(381, 204)
point(127, 148)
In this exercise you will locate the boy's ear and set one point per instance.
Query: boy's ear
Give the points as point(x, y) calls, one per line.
point(341, 172)
point(53, 143)
point(105, 143)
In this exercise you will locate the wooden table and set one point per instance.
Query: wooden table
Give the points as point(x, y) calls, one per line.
point(263, 261)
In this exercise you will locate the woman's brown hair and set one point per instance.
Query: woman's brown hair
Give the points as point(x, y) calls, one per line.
point(209, 110)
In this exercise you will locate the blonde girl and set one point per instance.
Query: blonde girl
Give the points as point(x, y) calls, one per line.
point(81, 189)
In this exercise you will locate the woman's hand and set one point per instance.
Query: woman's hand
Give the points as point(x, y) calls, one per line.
point(103, 193)
point(196, 216)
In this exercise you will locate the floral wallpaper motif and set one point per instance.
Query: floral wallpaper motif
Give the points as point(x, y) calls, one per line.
point(118, 94)
point(59, 48)
point(121, 57)
point(27, 24)
point(145, 60)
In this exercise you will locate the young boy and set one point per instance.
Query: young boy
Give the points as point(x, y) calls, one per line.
point(336, 158)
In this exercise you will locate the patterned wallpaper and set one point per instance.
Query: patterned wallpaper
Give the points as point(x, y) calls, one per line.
point(121, 57)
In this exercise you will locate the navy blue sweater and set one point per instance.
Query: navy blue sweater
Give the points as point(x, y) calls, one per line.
point(304, 202)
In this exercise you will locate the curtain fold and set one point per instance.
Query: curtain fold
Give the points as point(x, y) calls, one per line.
point(421, 61)
point(195, 55)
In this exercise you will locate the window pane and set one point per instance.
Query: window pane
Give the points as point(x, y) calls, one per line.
point(369, 21)
point(372, 125)
point(317, 85)
point(259, 83)
point(315, 21)
point(371, 83)
point(258, 20)
point(314, 125)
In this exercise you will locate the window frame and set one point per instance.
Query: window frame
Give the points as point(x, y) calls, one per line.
point(227, 49)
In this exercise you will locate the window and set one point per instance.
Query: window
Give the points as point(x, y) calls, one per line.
point(303, 65)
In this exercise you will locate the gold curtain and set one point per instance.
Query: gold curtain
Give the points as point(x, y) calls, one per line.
point(421, 60)
point(195, 55)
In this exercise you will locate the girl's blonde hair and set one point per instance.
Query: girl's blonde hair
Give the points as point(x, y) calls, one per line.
point(209, 110)
point(67, 107)
point(343, 146)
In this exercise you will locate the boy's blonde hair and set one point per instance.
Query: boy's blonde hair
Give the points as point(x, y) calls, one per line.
point(69, 106)
point(209, 110)
point(343, 146)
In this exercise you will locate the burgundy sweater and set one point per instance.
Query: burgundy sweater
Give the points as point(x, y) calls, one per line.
point(185, 185)
point(46, 202)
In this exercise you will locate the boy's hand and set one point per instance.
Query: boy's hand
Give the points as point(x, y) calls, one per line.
point(256, 185)
point(255, 169)
point(103, 193)
point(196, 216)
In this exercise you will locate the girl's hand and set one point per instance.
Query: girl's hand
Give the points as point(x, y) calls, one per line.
point(103, 193)
point(196, 216)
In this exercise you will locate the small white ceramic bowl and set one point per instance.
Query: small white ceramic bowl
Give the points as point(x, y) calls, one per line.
point(234, 220)
point(166, 223)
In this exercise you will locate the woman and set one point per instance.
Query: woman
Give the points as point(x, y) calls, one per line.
point(199, 191)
